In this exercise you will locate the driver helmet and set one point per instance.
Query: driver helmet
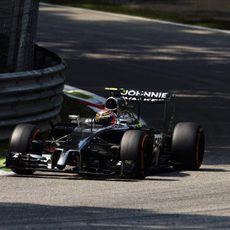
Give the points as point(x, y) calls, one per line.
point(105, 117)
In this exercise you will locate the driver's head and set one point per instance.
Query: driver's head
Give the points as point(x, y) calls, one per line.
point(105, 117)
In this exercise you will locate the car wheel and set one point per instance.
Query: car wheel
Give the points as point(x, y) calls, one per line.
point(134, 153)
point(21, 142)
point(188, 143)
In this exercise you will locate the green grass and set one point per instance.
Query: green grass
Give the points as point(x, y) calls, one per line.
point(2, 160)
point(3, 150)
point(147, 13)
point(2, 164)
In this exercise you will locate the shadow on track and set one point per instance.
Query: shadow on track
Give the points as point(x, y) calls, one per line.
point(175, 175)
point(34, 216)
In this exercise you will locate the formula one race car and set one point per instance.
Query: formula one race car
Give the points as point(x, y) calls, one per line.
point(113, 143)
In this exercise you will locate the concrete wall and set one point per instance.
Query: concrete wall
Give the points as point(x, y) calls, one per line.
point(18, 20)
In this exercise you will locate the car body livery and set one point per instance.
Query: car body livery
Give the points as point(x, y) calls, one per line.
point(113, 143)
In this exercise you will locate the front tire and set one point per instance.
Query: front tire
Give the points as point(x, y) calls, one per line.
point(21, 142)
point(188, 143)
point(134, 153)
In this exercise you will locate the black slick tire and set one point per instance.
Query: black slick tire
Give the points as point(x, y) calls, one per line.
point(21, 142)
point(135, 148)
point(188, 143)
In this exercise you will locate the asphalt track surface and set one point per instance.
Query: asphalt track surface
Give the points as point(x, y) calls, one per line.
point(111, 50)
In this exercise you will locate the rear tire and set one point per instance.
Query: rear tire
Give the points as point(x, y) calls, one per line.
point(21, 142)
point(135, 153)
point(188, 143)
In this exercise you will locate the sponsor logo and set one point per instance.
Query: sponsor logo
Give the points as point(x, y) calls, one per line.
point(146, 96)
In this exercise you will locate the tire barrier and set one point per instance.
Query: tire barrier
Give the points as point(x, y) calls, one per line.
point(18, 23)
point(32, 96)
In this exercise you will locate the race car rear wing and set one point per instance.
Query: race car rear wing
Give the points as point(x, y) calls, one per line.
point(152, 97)
point(145, 96)
point(140, 95)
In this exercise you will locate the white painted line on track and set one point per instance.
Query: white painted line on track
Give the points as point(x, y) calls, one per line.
point(145, 19)
point(3, 173)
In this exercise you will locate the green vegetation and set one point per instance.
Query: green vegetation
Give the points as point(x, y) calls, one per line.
point(2, 164)
point(3, 150)
point(148, 13)
point(2, 160)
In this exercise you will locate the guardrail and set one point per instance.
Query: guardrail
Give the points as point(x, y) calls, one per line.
point(32, 96)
